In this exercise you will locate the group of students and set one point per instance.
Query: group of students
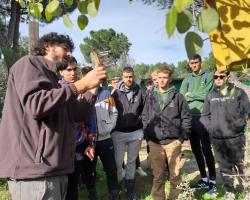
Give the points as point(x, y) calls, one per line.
point(54, 130)
point(208, 107)
point(94, 137)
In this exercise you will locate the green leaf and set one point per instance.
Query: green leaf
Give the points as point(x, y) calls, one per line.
point(187, 3)
point(92, 11)
point(58, 12)
point(52, 6)
point(68, 2)
point(82, 6)
point(193, 43)
point(208, 20)
point(179, 5)
point(22, 4)
point(97, 4)
point(82, 21)
point(171, 21)
point(40, 7)
point(66, 20)
point(36, 12)
point(48, 16)
point(184, 21)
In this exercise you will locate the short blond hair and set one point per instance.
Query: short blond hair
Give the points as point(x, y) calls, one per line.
point(154, 73)
point(164, 69)
point(223, 71)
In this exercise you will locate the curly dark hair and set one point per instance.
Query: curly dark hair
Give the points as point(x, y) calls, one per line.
point(86, 70)
point(65, 63)
point(51, 39)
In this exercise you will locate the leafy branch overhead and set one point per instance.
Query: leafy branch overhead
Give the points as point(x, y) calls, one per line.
point(182, 16)
point(55, 8)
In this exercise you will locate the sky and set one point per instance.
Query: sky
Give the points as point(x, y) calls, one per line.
point(144, 26)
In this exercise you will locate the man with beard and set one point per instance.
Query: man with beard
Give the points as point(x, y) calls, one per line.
point(37, 132)
point(128, 131)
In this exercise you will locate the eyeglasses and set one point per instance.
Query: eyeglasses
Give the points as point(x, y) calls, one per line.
point(219, 76)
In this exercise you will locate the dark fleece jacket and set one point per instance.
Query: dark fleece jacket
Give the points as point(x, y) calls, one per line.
point(226, 116)
point(37, 131)
point(171, 122)
point(129, 104)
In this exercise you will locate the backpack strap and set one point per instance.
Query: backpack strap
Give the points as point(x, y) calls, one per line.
point(205, 76)
point(189, 79)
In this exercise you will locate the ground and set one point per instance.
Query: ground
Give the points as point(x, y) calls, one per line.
point(143, 184)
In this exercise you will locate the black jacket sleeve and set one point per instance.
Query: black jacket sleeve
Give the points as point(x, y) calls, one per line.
point(186, 118)
point(206, 114)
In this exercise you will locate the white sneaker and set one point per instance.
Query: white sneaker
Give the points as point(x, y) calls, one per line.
point(229, 196)
point(141, 172)
point(123, 173)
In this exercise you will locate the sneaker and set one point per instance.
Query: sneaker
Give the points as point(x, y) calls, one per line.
point(200, 184)
point(212, 189)
point(141, 172)
point(229, 195)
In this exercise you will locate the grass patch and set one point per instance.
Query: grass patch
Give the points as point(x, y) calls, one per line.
point(143, 184)
point(4, 193)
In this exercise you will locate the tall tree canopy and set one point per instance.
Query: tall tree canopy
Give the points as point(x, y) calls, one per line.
point(105, 40)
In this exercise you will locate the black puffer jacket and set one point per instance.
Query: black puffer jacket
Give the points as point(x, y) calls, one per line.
point(172, 122)
point(226, 116)
point(129, 112)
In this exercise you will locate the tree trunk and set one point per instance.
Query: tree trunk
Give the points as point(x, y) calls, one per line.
point(13, 29)
point(33, 35)
point(16, 31)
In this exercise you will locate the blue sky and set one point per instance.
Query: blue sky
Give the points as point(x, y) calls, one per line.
point(143, 25)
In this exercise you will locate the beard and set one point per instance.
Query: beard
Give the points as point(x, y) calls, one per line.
point(61, 63)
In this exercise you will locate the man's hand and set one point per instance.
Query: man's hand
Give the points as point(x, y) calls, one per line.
point(187, 94)
point(91, 79)
point(90, 152)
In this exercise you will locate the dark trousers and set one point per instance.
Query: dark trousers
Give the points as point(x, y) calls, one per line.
point(201, 147)
point(72, 189)
point(105, 150)
point(229, 154)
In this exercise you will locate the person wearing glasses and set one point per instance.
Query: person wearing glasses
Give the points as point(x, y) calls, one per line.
point(195, 89)
point(225, 114)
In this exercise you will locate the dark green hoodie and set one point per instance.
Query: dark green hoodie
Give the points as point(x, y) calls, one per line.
point(198, 89)
point(163, 96)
